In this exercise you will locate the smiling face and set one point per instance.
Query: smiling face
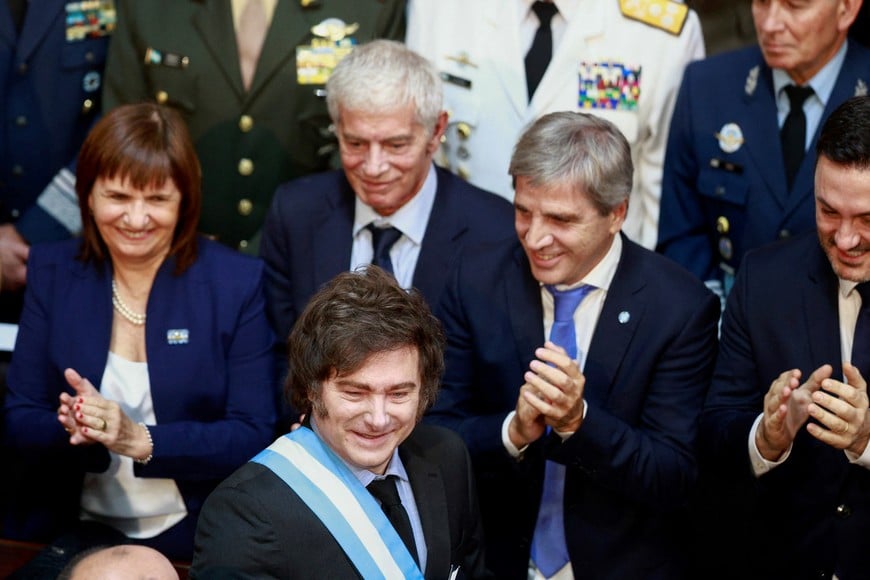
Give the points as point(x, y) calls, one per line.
point(562, 232)
point(801, 36)
point(365, 415)
point(137, 225)
point(386, 156)
point(843, 218)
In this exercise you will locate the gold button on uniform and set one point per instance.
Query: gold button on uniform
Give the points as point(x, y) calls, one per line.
point(162, 97)
point(245, 206)
point(722, 225)
point(246, 123)
point(246, 166)
point(87, 105)
point(464, 130)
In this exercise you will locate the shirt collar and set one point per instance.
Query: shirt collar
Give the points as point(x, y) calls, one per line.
point(411, 219)
point(567, 8)
point(601, 276)
point(364, 476)
point(822, 83)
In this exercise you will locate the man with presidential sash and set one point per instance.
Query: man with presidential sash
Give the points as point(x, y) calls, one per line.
point(365, 362)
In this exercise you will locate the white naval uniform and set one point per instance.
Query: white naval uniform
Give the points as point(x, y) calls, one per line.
point(478, 41)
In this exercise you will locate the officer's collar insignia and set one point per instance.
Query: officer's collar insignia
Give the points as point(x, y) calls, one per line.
point(751, 80)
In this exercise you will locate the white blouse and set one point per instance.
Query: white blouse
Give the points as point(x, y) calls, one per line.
point(136, 506)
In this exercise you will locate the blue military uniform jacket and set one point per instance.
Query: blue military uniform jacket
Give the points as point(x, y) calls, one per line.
point(50, 82)
point(721, 198)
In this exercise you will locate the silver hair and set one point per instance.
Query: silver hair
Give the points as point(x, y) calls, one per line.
point(580, 149)
point(384, 75)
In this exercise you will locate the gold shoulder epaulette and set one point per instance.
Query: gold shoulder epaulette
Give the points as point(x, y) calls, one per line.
point(667, 15)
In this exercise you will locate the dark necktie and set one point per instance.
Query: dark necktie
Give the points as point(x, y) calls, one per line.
point(382, 240)
point(538, 57)
point(793, 134)
point(549, 549)
point(18, 8)
point(861, 340)
point(385, 491)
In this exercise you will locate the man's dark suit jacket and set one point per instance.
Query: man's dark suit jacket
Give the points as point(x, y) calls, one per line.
point(632, 462)
point(307, 237)
point(255, 526)
point(812, 513)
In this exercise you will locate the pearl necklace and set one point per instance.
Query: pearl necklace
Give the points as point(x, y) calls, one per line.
point(123, 309)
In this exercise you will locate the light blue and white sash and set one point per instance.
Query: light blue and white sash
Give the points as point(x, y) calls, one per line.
point(345, 507)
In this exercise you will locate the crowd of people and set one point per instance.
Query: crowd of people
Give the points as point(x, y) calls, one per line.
point(422, 289)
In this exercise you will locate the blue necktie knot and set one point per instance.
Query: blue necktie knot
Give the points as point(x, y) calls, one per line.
point(565, 302)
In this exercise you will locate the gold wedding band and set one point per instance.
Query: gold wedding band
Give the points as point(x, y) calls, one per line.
point(104, 425)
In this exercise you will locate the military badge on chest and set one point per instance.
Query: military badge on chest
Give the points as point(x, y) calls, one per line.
point(332, 40)
point(89, 19)
point(609, 85)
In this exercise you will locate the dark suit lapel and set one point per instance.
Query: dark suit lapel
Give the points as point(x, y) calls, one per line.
point(8, 35)
point(431, 497)
point(91, 286)
point(623, 310)
point(821, 310)
point(439, 241)
point(214, 23)
point(519, 288)
point(761, 133)
point(332, 239)
point(37, 23)
point(290, 27)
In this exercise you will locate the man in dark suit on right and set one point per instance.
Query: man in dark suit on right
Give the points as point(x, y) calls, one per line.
point(606, 409)
point(786, 420)
point(738, 170)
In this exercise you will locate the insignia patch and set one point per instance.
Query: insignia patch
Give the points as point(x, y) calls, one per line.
point(334, 29)
point(667, 15)
point(461, 59)
point(315, 62)
point(89, 19)
point(751, 81)
point(730, 137)
point(177, 336)
point(609, 85)
point(154, 57)
point(91, 82)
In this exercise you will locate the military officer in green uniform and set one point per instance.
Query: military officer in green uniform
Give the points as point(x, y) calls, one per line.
point(186, 53)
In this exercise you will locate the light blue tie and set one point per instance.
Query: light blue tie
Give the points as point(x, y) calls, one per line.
point(549, 549)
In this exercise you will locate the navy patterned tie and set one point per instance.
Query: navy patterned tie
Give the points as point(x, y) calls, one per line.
point(382, 240)
point(549, 549)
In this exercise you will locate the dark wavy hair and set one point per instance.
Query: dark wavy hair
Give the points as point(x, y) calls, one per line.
point(356, 315)
point(845, 136)
point(146, 144)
